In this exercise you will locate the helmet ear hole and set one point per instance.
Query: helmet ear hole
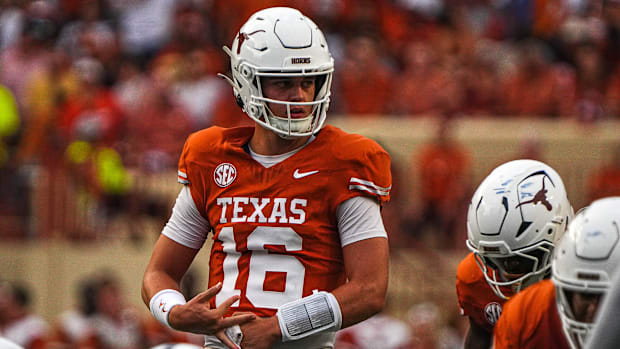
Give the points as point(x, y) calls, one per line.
point(254, 111)
point(246, 72)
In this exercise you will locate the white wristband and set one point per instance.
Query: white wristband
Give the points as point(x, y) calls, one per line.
point(162, 302)
point(309, 315)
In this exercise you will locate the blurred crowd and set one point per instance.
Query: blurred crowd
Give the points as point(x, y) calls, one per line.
point(103, 319)
point(100, 319)
point(96, 95)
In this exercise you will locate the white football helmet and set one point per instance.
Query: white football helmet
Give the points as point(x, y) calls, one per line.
point(280, 42)
point(517, 214)
point(585, 261)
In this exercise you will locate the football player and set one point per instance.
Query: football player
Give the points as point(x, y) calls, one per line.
point(559, 313)
point(516, 216)
point(299, 247)
point(606, 333)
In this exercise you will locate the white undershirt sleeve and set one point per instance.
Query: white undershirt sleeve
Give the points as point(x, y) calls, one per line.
point(359, 218)
point(186, 226)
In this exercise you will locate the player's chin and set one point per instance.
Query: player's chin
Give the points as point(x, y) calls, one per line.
point(299, 115)
point(512, 277)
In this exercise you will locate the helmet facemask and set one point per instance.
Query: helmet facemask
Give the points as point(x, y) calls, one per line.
point(503, 276)
point(576, 331)
point(287, 126)
point(584, 263)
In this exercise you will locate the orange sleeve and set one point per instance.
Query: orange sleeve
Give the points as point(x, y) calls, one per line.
point(476, 299)
point(461, 272)
point(368, 169)
point(182, 171)
point(189, 173)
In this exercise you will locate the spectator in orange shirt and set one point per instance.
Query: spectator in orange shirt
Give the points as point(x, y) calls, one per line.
point(444, 172)
point(40, 140)
point(592, 81)
point(418, 83)
point(153, 150)
point(554, 91)
point(365, 80)
point(481, 83)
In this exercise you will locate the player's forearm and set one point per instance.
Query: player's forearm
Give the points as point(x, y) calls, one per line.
point(169, 262)
point(155, 281)
point(367, 268)
point(358, 301)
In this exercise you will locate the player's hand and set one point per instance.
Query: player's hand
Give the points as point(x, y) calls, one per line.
point(261, 333)
point(196, 316)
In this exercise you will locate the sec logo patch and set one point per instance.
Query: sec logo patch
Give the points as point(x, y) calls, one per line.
point(224, 174)
point(492, 311)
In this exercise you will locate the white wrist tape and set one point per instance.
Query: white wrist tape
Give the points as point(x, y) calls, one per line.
point(309, 315)
point(162, 302)
point(234, 334)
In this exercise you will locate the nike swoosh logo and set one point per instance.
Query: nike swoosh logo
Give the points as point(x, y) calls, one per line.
point(298, 175)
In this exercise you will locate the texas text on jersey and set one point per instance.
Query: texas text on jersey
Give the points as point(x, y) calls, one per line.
point(275, 234)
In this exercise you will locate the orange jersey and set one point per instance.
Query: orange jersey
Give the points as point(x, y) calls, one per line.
point(476, 298)
point(530, 320)
point(275, 229)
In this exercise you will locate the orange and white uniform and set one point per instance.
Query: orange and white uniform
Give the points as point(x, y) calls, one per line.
point(277, 230)
point(531, 320)
point(476, 298)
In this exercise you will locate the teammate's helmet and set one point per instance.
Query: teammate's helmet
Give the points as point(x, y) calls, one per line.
point(280, 42)
point(585, 261)
point(517, 214)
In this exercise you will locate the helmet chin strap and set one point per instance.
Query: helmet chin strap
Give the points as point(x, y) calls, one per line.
point(289, 124)
point(296, 125)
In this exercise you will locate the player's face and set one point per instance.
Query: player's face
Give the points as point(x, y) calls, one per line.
point(514, 267)
point(290, 89)
point(584, 305)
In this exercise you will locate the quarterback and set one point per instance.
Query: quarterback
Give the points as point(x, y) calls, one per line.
point(559, 313)
point(515, 218)
point(299, 247)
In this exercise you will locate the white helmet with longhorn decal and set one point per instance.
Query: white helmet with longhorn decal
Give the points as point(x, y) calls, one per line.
point(515, 218)
point(280, 42)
